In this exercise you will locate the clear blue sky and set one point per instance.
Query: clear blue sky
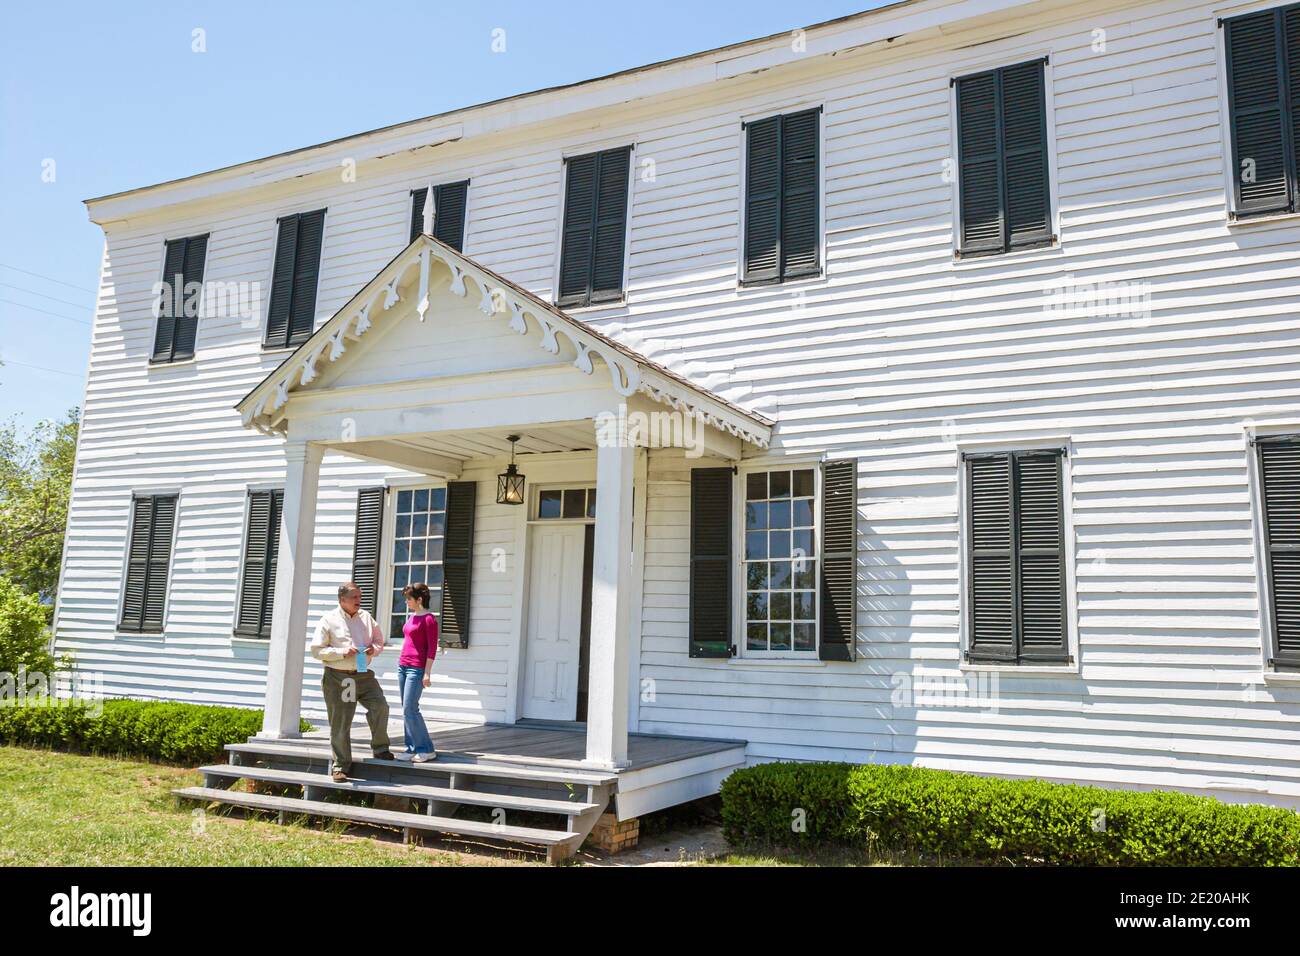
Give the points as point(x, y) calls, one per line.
point(115, 96)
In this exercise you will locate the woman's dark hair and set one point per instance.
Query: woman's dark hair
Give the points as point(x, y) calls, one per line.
point(418, 591)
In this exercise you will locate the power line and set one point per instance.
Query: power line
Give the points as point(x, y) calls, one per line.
point(81, 288)
point(75, 305)
point(40, 368)
point(66, 318)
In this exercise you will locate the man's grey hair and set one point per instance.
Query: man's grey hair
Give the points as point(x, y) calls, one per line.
point(347, 589)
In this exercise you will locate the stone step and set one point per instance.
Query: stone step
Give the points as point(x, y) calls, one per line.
point(407, 822)
point(443, 764)
point(397, 789)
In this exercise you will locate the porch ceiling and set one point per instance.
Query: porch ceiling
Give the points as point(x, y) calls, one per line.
point(428, 270)
point(495, 443)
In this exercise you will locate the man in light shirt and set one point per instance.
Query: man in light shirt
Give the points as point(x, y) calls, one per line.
point(341, 635)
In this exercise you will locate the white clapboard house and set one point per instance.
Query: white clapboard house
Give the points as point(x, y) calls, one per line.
point(918, 387)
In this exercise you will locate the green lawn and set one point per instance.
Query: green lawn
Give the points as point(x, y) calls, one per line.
point(60, 809)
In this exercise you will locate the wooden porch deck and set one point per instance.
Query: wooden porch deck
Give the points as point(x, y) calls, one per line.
point(531, 743)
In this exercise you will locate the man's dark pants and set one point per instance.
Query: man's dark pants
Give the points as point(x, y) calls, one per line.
point(343, 690)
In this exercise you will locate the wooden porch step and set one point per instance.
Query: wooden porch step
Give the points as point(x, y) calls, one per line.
point(300, 778)
point(443, 764)
point(387, 818)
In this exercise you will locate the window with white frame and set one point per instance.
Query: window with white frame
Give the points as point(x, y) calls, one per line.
point(779, 561)
point(419, 529)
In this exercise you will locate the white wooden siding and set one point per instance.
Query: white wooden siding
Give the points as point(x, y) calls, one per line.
point(890, 357)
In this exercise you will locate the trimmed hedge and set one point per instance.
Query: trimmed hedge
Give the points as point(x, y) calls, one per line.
point(158, 730)
point(959, 815)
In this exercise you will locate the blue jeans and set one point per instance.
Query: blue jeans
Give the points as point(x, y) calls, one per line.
point(410, 682)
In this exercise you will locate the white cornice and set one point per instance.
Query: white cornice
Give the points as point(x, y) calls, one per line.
point(905, 18)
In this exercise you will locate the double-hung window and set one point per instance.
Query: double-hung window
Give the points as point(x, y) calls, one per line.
point(292, 316)
point(419, 537)
point(1262, 53)
point(1016, 587)
point(782, 198)
point(780, 560)
point(1004, 189)
point(179, 299)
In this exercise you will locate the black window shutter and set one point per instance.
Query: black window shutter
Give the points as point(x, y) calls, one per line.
point(261, 544)
point(799, 190)
point(286, 251)
point(763, 201)
point(595, 228)
point(711, 571)
point(1024, 155)
point(292, 314)
point(578, 239)
point(1040, 533)
point(839, 561)
point(1279, 460)
point(1017, 558)
point(1004, 188)
point(1261, 108)
point(449, 213)
point(991, 590)
point(173, 276)
point(176, 331)
point(418, 198)
point(457, 564)
point(153, 521)
point(187, 318)
point(306, 271)
point(137, 565)
point(610, 228)
point(367, 543)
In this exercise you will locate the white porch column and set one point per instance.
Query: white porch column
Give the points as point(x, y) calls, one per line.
point(611, 597)
point(292, 590)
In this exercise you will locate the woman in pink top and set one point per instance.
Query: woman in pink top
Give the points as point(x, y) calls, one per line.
point(413, 669)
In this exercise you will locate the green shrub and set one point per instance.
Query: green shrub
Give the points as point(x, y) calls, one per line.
point(979, 818)
point(24, 642)
point(158, 730)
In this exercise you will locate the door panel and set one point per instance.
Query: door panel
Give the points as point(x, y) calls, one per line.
point(554, 632)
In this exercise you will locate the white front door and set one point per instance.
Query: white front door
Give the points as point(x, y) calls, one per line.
point(554, 621)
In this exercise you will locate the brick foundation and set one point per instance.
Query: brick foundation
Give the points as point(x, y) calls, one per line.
point(613, 836)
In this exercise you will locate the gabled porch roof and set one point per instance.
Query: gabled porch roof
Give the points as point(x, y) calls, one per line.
point(427, 269)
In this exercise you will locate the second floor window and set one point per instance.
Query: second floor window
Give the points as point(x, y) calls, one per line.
point(595, 228)
point(1263, 64)
point(1016, 558)
point(1003, 188)
point(178, 306)
point(782, 204)
point(448, 213)
point(292, 317)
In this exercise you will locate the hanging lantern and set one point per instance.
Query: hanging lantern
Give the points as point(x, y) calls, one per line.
point(510, 484)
